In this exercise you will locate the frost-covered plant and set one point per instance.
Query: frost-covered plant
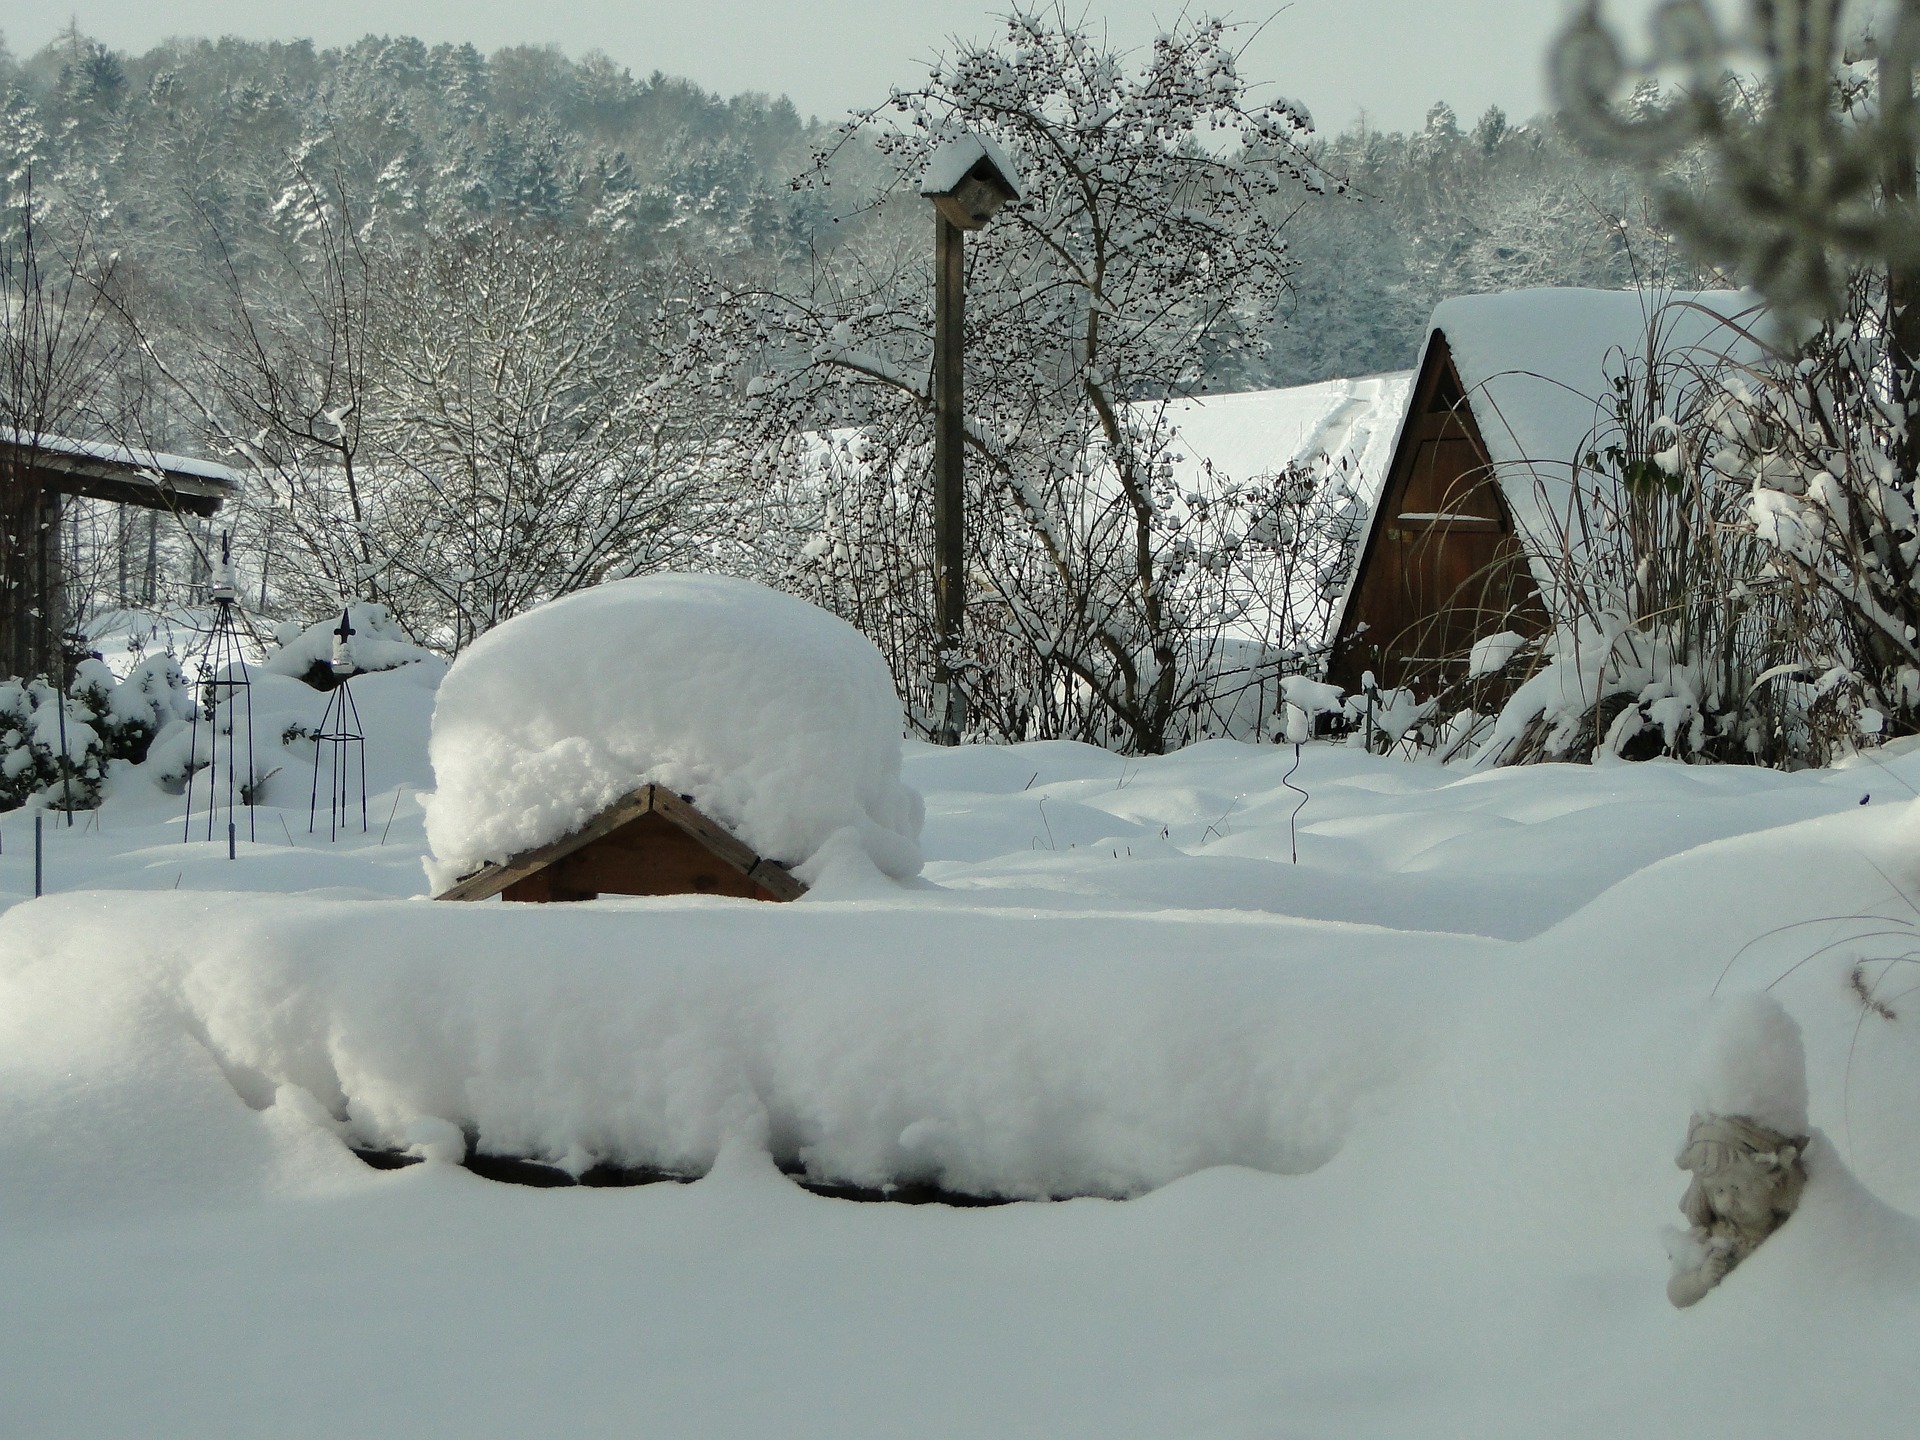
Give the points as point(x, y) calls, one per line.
point(1809, 194)
point(1820, 451)
point(1149, 239)
point(1257, 564)
point(1671, 621)
point(60, 747)
point(1803, 184)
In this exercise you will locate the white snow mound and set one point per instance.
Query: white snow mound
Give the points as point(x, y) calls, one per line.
point(779, 719)
point(1752, 1062)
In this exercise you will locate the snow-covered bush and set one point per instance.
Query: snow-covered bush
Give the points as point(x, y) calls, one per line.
point(778, 719)
point(1672, 620)
point(377, 643)
point(60, 747)
point(1806, 193)
point(1819, 452)
point(29, 757)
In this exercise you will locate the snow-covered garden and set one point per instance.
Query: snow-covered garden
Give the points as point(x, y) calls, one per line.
point(1375, 1141)
point(486, 950)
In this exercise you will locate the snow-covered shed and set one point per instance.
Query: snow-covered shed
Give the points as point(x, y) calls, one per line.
point(37, 471)
point(672, 734)
point(1510, 395)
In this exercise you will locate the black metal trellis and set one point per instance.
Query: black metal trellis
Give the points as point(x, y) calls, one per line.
point(224, 681)
point(341, 736)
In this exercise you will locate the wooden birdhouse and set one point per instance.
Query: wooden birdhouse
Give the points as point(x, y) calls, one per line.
point(649, 842)
point(969, 179)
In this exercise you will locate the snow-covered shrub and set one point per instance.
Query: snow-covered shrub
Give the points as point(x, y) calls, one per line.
point(1608, 686)
point(377, 643)
point(60, 747)
point(1805, 191)
point(1252, 567)
point(49, 747)
point(1671, 618)
point(130, 712)
point(1820, 454)
point(778, 719)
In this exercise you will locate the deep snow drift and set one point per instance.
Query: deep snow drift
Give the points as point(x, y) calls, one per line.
point(778, 718)
point(1397, 1123)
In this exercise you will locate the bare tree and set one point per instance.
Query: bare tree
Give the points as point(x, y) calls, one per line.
point(1150, 240)
point(530, 443)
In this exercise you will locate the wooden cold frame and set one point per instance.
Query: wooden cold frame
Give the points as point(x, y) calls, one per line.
point(650, 842)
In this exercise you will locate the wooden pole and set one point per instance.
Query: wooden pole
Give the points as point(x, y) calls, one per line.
point(1898, 185)
point(949, 477)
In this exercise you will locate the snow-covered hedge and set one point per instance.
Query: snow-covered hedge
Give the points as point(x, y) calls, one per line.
point(779, 719)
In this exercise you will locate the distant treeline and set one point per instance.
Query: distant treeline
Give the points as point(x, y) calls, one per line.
point(176, 152)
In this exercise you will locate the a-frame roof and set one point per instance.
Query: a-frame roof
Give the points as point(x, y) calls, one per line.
point(1537, 369)
point(649, 799)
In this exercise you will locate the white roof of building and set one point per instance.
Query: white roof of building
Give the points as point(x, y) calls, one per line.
point(156, 462)
point(126, 475)
point(1260, 432)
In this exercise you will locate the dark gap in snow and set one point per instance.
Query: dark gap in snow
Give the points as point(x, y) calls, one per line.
point(513, 1170)
point(385, 1159)
point(913, 1193)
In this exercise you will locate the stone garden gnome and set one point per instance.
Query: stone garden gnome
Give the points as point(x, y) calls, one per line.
point(1746, 1181)
point(1745, 1142)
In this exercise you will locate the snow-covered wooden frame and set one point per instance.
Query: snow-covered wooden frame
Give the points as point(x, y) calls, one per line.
point(675, 821)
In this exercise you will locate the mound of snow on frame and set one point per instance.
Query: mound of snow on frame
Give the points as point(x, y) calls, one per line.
point(779, 719)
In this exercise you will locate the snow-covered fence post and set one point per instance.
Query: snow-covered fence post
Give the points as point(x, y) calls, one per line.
point(968, 180)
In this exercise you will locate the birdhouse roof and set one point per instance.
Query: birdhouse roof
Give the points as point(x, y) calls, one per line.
point(954, 159)
point(677, 810)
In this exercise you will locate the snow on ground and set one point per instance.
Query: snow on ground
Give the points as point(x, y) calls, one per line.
point(1395, 1123)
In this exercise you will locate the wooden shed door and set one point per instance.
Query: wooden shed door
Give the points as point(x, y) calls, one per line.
point(1442, 568)
point(1457, 571)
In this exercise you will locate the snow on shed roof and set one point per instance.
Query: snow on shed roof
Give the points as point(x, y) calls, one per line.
point(123, 473)
point(1536, 365)
point(138, 459)
point(1258, 432)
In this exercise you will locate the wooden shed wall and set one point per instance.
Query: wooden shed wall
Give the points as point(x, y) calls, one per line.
point(1442, 566)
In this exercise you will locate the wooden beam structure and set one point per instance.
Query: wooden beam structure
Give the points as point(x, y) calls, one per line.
point(649, 842)
point(38, 473)
point(125, 476)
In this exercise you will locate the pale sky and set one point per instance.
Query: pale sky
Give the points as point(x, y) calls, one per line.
point(1390, 58)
